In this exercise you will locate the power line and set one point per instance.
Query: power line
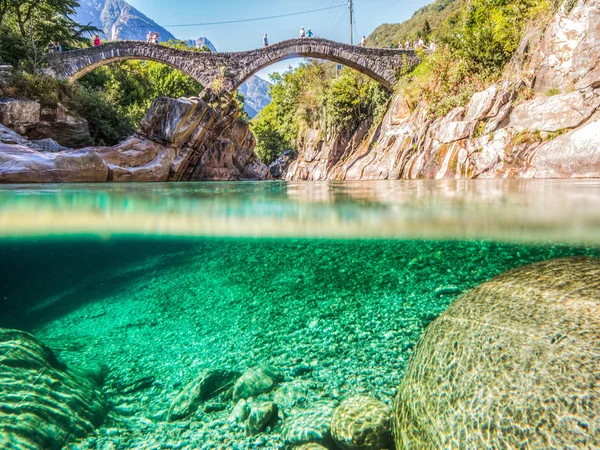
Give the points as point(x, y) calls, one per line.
point(253, 20)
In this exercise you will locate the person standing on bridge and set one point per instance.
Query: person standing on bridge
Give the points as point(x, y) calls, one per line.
point(302, 33)
point(97, 41)
point(363, 41)
point(265, 40)
point(309, 33)
point(149, 37)
point(58, 47)
point(156, 38)
point(407, 45)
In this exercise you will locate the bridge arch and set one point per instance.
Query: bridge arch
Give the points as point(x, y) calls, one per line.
point(233, 69)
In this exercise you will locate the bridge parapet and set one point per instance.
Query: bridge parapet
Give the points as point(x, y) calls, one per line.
point(232, 69)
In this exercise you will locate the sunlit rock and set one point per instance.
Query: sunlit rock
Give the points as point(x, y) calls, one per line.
point(512, 363)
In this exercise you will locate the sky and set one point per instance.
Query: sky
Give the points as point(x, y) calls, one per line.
point(331, 24)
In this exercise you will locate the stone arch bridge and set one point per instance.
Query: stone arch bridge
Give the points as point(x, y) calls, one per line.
point(232, 69)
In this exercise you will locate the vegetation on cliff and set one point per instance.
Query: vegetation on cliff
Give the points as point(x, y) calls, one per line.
point(315, 96)
point(475, 42)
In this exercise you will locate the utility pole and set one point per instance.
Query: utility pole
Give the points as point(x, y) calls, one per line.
point(351, 6)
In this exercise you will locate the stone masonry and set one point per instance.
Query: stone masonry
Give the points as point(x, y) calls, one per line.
point(232, 69)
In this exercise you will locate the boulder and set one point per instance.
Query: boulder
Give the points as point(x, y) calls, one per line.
point(49, 145)
point(362, 423)
point(44, 404)
point(62, 126)
point(261, 414)
point(310, 447)
point(555, 113)
point(240, 412)
point(172, 121)
point(19, 164)
point(19, 115)
point(309, 426)
point(207, 385)
point(256, 381)
point(572, 155)
point(513, 362)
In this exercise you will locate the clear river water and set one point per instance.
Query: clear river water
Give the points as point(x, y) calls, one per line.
point(332, 284)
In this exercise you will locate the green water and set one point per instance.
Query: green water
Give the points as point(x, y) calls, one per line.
point(341, 314)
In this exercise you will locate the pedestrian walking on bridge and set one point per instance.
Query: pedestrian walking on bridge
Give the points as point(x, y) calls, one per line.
point(302, 33)
point(309, 33)
point(265, 40)
point(363, 42)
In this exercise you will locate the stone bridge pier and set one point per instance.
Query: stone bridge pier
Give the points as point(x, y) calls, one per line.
point(225, 72)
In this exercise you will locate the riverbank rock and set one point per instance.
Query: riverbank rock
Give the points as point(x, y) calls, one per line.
point(512, 363)
point(19, 115)
point(207, 385)
point(44, 404)
point(261, 414)
point(62, 126)
point(178, 140)
point(362, 423)
point(256, 381)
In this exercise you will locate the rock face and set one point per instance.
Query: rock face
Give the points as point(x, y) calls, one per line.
point(19, 115)
point(362, 423)
point(61, 126)
point(496, 135)
point(118, 20)
point(569, 54)
point(256, 95)
point(512, 363)
point(44, 405)
point(178, 140)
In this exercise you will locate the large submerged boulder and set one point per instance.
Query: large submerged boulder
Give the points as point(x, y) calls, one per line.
point(43, 405)
point(514, 363)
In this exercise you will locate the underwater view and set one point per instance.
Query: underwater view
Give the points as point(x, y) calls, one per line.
point(295, 315)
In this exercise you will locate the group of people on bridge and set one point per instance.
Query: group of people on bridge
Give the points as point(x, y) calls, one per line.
point(418, 45)
point(303, 34)
point(54, 47)
point(152, 37)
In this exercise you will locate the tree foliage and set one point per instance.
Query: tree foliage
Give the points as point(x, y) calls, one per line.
point(314, 96)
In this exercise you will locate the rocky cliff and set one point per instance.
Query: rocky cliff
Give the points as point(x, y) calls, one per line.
point(553, 134)
point(178, 140)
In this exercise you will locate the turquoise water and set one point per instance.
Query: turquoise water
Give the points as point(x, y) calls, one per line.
point(333, 284)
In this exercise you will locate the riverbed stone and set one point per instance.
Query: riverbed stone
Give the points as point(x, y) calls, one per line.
point(207, 385)
point(261, 413)
point(513, 362)
point(256, 381)
point(309, 426)
point(44, 404)
point(362, 423)
point(240, 412)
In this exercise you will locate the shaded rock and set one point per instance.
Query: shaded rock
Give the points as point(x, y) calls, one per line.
point(49, 145)
point(20, 115)
point(60, 125)
point(256, 381)
point(310, 426)
point(261, 414)
point(207, 385)
point(20, 164)
point(362, 423)
point(513, 361)
point(240, 412)
point(280, 165)
point(44, 405)
point(576, 154)
point(555, 113)
point(310, 447)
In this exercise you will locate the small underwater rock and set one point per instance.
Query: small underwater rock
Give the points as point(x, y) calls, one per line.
point(310, 426)
point(310, 446)
point(210, 383)
point(44, 405)
point(256, 381)
point(240, 412)
point(261, 414)
point(362, 423)
point(290, 394)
